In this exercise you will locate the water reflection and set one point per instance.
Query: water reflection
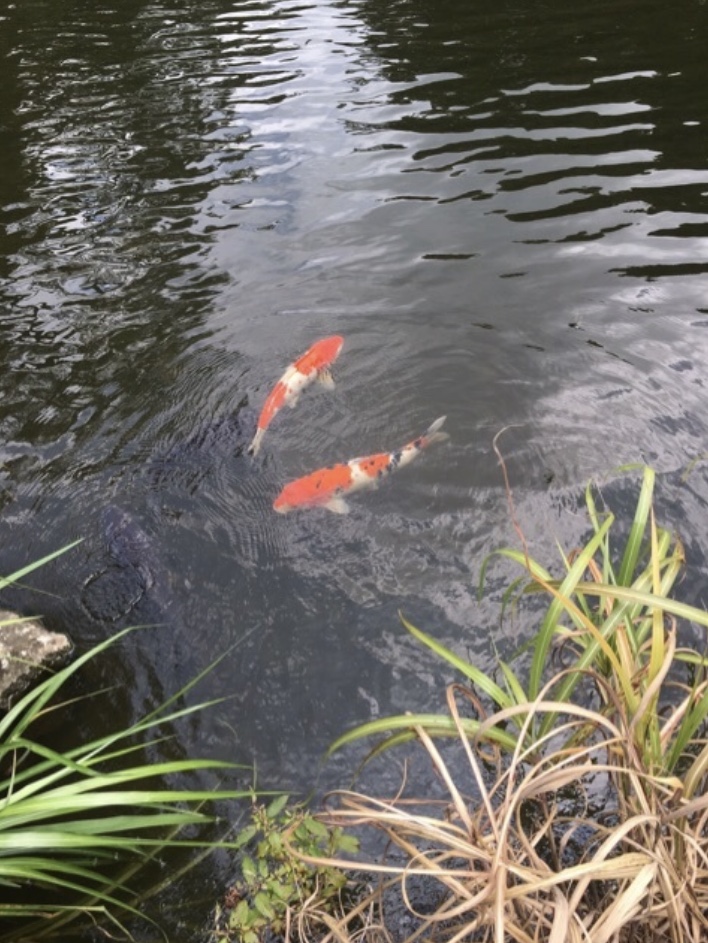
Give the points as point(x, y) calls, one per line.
point(504, 214)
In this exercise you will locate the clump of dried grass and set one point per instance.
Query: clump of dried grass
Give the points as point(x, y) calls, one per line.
point(563, 822)
point(516, 852)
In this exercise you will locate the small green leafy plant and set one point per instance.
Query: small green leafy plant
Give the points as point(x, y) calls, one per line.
point(278, 889)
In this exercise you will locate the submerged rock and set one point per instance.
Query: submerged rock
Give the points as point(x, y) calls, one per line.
point(136, 575)
point(27, 649)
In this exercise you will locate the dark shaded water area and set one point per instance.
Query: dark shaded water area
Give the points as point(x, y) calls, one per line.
point(502, 207)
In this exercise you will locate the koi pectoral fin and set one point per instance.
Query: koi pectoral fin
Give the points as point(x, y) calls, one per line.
point(292, 403)
point(325, 379)
point(337, 506)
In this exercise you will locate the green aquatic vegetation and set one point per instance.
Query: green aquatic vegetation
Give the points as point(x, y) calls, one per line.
point(278, 890)
point(577, 796)
point(69, 820)
point(6, 581)
point(613, 615)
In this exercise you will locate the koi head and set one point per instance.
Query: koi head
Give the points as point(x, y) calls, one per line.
point(296, 494)
point(281, 504)
point(292, 496)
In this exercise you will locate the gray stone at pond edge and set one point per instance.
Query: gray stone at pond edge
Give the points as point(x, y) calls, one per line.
point(26, 650)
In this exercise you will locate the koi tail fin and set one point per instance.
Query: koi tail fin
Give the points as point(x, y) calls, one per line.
point(433, 433)
point(255, 446)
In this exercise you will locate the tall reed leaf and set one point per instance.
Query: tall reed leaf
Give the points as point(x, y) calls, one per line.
point(636, 535)
point(67, 818)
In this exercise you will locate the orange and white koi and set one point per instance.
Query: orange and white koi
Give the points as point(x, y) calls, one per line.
point(326, 487)
point(314, 364)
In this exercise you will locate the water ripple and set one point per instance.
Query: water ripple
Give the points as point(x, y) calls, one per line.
point(506, 217)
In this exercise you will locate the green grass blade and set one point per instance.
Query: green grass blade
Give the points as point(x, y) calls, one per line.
point(31, 567)
point(636, 535)
point(692, 722)
point(516, 691)
point(567, 588)
point(28, 707)
point(649, 600)
point(608, 574)
point(436, 724)
point(475, 675)
point(115, 824)
point(658, 647)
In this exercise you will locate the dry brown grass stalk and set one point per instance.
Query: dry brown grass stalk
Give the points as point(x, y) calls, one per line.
point(515, 853)
point(575, 806)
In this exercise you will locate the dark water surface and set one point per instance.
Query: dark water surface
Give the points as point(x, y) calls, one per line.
point(502, 207)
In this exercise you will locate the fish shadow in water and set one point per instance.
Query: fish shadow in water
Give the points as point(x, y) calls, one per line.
point(133, 584)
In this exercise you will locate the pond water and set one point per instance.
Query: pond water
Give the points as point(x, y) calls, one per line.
point(502, 208)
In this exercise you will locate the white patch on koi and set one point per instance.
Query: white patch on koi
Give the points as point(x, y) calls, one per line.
point(360, 479)
point(295, 383)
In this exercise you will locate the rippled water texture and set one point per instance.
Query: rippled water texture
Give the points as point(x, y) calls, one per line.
point(502, 207)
